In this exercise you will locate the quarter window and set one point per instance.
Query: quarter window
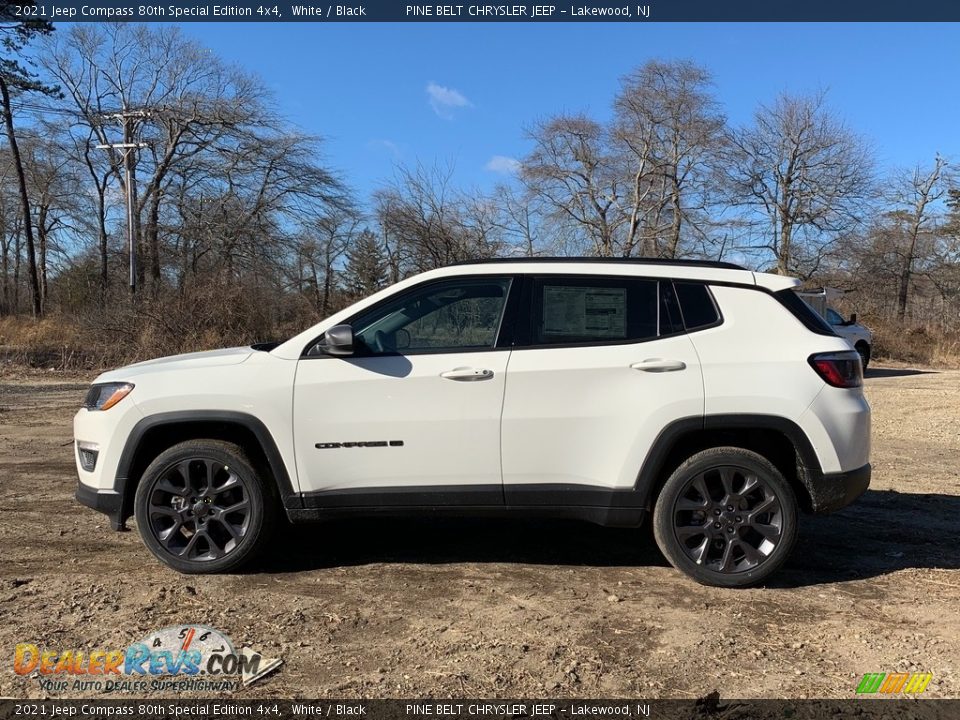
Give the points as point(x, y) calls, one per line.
point(461, 314)
point(697, 305)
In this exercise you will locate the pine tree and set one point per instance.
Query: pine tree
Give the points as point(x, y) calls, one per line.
point(366, 270)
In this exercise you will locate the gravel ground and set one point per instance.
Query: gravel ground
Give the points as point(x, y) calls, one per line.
point(509, 609)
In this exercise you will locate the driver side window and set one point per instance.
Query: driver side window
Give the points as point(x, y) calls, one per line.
point(460, 314)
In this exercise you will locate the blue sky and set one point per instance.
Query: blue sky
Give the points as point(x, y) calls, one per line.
point(463, 93)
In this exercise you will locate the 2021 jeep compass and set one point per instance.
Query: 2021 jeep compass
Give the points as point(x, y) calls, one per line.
point(702, 393)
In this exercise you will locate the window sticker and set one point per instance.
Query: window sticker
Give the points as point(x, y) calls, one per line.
point(585, 311)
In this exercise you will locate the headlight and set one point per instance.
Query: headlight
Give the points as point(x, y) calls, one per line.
point(105, 395)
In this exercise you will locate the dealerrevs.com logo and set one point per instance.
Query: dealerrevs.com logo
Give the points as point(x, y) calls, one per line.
point(179, 658)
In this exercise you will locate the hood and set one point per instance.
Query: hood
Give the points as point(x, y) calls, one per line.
point(211, 358)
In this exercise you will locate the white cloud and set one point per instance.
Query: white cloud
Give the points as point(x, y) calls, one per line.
point(445, 100)
point(503, 165)
point(388, 145)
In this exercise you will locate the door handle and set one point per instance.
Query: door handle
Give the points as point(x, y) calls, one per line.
point(659, 365)
point(467, 374)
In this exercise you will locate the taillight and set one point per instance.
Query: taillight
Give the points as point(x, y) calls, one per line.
point(840, 369)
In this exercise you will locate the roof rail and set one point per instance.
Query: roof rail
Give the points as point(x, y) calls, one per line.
point(616, 260)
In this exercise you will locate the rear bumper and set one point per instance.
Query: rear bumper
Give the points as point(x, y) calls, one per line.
point(832, 491)
point(108, 502)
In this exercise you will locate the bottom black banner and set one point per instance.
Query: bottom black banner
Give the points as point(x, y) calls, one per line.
point(881, 708)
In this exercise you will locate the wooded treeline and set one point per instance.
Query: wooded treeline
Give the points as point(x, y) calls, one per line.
point(244, 231)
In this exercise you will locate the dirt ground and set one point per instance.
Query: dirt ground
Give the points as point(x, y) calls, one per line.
point(509, 609)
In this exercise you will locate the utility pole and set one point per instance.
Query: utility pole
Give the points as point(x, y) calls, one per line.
point(126, 118)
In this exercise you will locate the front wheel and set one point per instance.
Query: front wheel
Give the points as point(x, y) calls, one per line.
point(201, 507)
point(726, 517)
point(864, 350)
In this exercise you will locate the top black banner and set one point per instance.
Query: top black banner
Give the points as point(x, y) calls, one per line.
point(544, 11)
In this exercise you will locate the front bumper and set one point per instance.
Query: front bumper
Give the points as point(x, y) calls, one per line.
point(832, 491)
point(108, 502)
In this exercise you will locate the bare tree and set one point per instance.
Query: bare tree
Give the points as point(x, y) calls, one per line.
point(518, 219)
point(801, 177)
point(572, 172)
point(169, 92)
point(914, 219)
point(670, 129)
point(426, 224)
point(333, 235)
point(16, 77)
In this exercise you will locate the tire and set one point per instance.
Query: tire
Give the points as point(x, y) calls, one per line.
point(864, 350)
point(202, 507)
point(709, 528)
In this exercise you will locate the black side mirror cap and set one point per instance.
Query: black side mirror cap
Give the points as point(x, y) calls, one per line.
point(337, 341)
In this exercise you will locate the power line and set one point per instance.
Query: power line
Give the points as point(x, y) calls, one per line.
point(29, 107)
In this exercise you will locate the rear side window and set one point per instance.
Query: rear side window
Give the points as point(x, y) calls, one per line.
point(697, 305)
point(593, 310)
point(803, 312)
point(671, 321)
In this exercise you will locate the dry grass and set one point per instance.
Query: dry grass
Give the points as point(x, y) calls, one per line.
point(927, 346)
point(175, 326)
point(52, 343)
point(204, 319)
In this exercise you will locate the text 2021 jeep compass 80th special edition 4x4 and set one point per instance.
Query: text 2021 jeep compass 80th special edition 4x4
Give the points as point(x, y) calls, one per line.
point(703, 393)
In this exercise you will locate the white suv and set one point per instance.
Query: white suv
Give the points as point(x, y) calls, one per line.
point(703, 393)
point(853, 332)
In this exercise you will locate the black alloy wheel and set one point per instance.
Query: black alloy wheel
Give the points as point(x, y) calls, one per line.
point(726, 517)
point(201, 507)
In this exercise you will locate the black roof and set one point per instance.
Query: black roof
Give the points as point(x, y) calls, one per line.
point(616, 260)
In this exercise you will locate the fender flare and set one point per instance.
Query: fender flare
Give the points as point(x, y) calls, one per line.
point(122, 481)
point(652, 469)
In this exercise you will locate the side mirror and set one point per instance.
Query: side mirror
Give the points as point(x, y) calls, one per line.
point(853, 319)
point(337, 341)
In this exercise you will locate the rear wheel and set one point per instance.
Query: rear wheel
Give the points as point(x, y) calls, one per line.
point(201, 507)
point(726, 517)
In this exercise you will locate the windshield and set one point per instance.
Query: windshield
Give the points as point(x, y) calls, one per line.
point(833, 317)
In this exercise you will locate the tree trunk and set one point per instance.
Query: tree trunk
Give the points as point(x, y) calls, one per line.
point(906, 272)
point(6, 307)
point(104, 270)
point(24, 199)
point(5, 250)
point(15, 307)
point(42, 248)
point(784, 251)
point(152, 241)
point(327, 280)
point(317, 302)
point(674, 244)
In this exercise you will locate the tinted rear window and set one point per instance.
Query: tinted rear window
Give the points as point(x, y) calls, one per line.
point(697, 305)
point(803, 312)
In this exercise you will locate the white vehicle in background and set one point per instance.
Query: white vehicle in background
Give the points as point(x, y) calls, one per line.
point(859, 336)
